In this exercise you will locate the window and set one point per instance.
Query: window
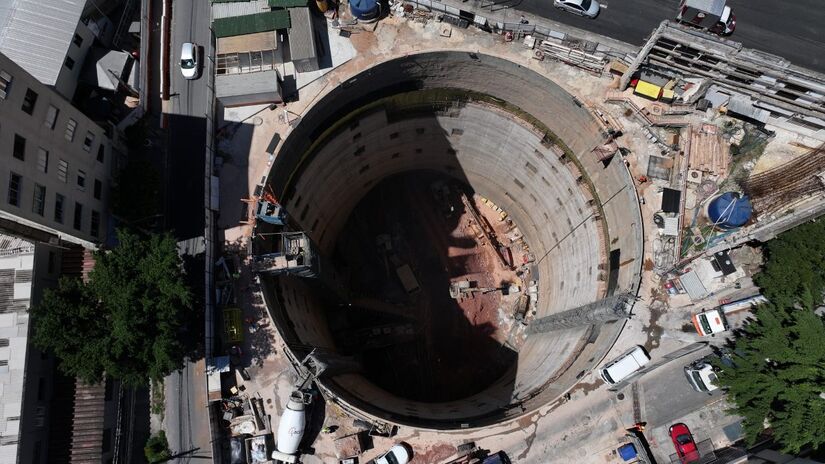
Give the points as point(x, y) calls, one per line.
point(39, 202)
point(77, 40)
point(88, 141)
point(71, 125)
point(42, 160)
point(101, 152)
point(15, 184)
point(62, 170)
point(5, 84)
point(95, 224)
point(52, 258)
point(51, 117)
point(78, 215)
point(19, 147)
point(59, 201)
point(98, 189)
point(81, 179)
point(69, 62)
point(29, 101)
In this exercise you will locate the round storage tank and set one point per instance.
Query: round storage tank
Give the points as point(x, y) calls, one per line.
point(730, 210)
point(364, 9)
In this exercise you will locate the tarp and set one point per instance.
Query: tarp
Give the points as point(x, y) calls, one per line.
point(646, 89)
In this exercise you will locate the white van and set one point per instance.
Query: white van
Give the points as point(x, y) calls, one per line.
point(622, 367)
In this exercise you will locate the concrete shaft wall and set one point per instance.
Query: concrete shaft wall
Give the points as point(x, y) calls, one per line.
point(337, 154)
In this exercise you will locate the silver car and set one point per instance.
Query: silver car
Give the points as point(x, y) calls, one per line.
point(586, 8)
point(189, 60)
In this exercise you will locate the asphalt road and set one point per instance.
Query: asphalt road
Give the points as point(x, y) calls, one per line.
point(667, 395)
point(187, 423)
point(186, 116)
point(187, 420)
point(791, 29)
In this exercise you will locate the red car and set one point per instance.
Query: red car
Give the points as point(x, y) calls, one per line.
point(683, 441)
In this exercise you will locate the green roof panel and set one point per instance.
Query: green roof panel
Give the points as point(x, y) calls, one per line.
point(287, 3)
point(251, 24)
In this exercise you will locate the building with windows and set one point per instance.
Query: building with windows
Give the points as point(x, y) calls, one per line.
point(56, 164)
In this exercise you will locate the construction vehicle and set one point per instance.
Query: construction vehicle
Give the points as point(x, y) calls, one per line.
point(714, 320)
point(711, 15)
point(291, 428)
point(466, 288)
point(469, 453)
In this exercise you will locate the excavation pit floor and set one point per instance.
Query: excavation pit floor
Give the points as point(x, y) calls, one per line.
point(404, 244)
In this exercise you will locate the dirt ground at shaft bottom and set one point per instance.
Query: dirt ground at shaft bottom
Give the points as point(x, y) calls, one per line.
point(428, 346)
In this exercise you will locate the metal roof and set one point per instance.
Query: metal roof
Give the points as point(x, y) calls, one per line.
point(301, 36)
point(229, 85)
point(693, 285)
point(16, 265)
point(287, 3)
point(233, 9)
point(250, 24)
point(36, 34)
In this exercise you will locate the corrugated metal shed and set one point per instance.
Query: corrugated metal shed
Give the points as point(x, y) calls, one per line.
point(248, 89)
point(232, 9)
point(250, 24)
point(36, 34)
point(302, 40)
point(693, 285)
point(16, 265)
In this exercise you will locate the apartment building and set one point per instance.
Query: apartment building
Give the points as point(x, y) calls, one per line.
point(56, 164)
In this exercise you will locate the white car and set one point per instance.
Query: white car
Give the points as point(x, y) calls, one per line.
point(189, 62)
point(701, 376)
point(587, 8)
point(398, 454)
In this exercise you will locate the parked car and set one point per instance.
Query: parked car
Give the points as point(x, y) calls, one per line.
point(189, 60)
point(398, 454)
point(683, 442)
point(622, 367)
point(587, 8)
point(701, 376)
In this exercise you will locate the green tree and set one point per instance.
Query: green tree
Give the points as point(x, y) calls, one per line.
point(794, 270)
point(157, 448)
point(778, 376)
point(69, 322)
point(127, 320)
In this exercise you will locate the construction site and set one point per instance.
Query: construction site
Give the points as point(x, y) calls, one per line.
point(436, 297)
point(450, 242)
point(442, 222)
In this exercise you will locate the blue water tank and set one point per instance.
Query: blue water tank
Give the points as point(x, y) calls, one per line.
point(730, 210)
point(364, 10)
point(627, 452)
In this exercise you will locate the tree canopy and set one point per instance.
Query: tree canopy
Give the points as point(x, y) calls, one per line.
point(778, 376)
point(794, 270)
point(126, 320)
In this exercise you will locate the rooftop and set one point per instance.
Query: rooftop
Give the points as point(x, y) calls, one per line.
point(16, 265)
point(36, 34)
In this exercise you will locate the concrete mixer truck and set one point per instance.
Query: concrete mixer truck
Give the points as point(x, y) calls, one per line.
point(291, 428)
